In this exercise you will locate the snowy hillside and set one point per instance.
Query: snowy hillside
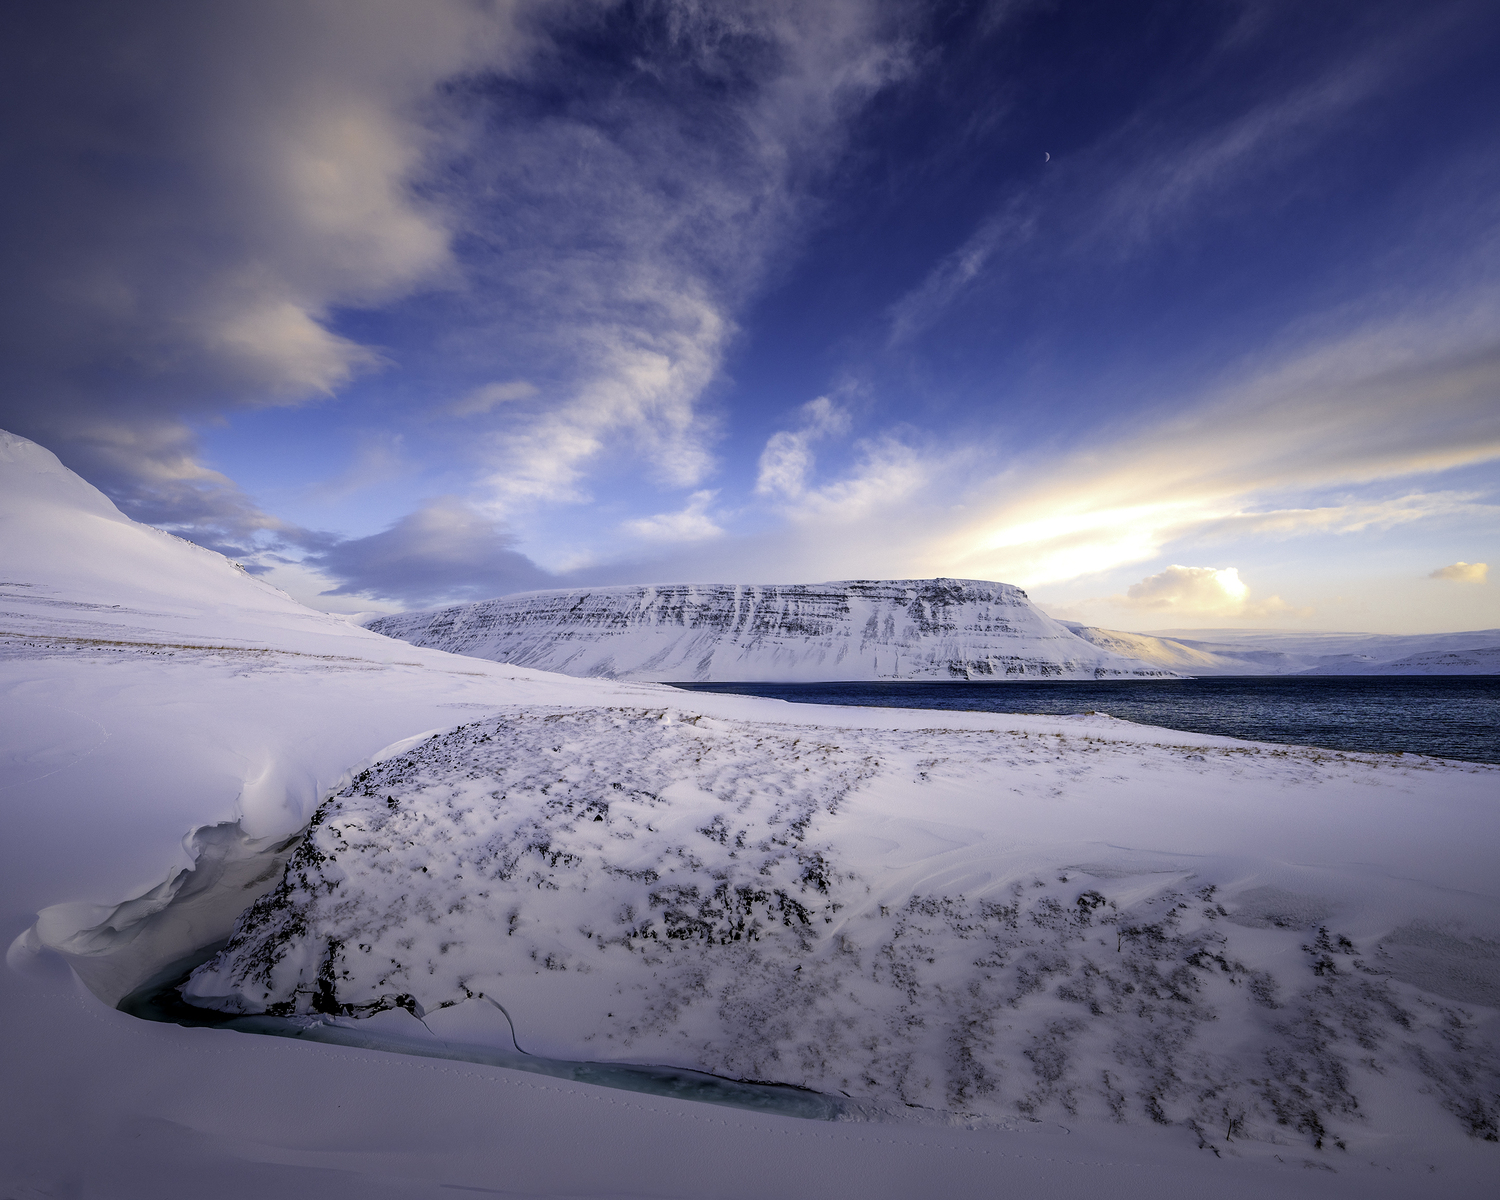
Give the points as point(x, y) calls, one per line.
point(1262, 652)
point(1481, 660)
point(69, 552)
point(847, 630)
point(150, 687)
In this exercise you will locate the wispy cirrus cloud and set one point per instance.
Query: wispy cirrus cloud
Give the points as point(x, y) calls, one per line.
point(788, 458)
point(1386, 401)
point(620, 279)
point(692, 523)
point(1149, 177)
point(1367, 413)
point(483, 399)
point(1352, 517)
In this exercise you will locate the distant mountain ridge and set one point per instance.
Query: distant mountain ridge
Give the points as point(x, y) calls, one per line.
point(701, 633)
point(1267, 652)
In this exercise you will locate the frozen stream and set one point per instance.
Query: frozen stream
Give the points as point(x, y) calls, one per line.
point(158, 999)
point(147, 936)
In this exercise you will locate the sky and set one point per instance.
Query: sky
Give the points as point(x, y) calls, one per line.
point(1175, 314)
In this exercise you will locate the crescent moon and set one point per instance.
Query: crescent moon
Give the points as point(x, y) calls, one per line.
point(1046, 157)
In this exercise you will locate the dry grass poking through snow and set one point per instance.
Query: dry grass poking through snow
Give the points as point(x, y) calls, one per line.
point(712, 895)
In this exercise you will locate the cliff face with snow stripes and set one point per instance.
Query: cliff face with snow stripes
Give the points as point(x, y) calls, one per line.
point(846, 630)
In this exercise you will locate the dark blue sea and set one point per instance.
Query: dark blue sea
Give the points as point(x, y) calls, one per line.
point(1446, 716)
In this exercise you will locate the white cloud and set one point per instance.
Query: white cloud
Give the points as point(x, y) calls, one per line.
point(622, 274)
point(1462, 572)
point(690, 524)
point(1202, 592)
point(1387, 513)
point(784, 465)
point(483, 399)
point(283, 345)
point(266, 165)
point(638, 395)
point(1380, 402)
point(787, 460)
point(1205, 589)
point(888, 475)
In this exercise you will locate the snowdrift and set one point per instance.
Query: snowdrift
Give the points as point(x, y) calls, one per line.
point(700, 633)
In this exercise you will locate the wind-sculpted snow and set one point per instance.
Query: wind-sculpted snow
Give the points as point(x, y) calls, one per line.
point(854, 629)
point(732, 897)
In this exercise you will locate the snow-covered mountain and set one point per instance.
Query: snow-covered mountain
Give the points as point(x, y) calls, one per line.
point(1480, 660)
point(1270, 652)
point(701, 633)
point(885, 629)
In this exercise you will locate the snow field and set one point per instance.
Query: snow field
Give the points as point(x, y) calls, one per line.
point(762, 901)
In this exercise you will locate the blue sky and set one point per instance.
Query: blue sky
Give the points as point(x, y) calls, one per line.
point(1176, 314)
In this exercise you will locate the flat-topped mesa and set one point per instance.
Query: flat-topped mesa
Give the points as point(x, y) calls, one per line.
point(804, 632)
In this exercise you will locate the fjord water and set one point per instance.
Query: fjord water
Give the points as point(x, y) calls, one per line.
point(1445, 716)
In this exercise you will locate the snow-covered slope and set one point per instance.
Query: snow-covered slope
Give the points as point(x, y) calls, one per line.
point(69, 552)
point(151, 686)
point(1477, 660)
point(1261, 652)
point(846, 630)
point(945, 918)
